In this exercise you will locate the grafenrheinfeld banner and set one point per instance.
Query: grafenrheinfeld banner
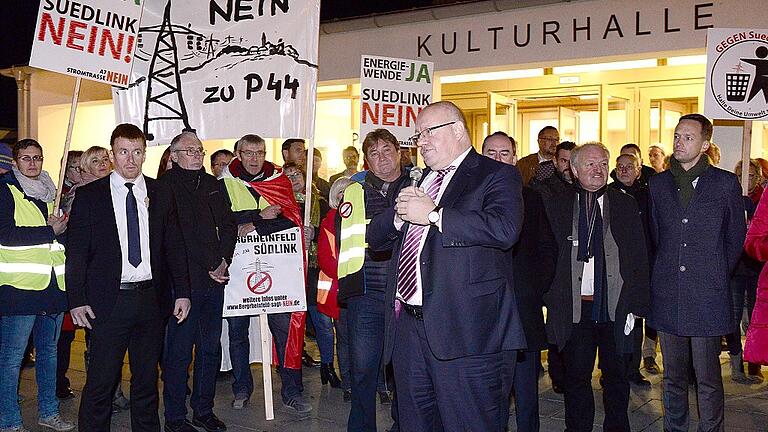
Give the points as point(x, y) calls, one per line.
point(224, 68)
point(266, 275)
point(91, 39)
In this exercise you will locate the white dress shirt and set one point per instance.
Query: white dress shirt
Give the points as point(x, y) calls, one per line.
point(417, 299)
point(588, 273)
point(119, 193)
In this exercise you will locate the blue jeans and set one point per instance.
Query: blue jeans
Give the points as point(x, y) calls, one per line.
point(323, 333)
point(365, 320)
point(342, 348)
point(239, 352)
point(14, 334)
point(201, 331)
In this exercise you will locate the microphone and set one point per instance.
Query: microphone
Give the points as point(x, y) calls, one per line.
point(415, 175)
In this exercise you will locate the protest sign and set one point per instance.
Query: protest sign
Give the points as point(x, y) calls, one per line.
point(87, 38)
point(737, 74)
point(266, 275)
point(392, 93)
point(220, 67)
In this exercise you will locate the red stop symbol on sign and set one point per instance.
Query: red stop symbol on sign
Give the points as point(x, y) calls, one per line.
point(259, 283)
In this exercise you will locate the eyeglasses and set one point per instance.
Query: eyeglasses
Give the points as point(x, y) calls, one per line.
point(293, 176)
point(249, 154)
point(430, 131)
point(192, 152)
point(28, 159)
point(74, 167)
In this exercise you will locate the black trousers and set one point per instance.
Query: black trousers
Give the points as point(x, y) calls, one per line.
point(526, 390)
point(201, 332)
point(136, 325)
point(63, 354)
point(637, 350)
point(588, 338)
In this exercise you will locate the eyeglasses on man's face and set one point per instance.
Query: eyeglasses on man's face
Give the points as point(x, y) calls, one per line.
point(250, 154)
point(192, 151)
point(427, 132)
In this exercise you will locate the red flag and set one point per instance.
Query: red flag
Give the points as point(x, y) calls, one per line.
point(277, 190)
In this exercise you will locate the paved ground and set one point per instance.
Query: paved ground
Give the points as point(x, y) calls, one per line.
point(746, 406)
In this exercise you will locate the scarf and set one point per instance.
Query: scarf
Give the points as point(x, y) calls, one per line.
point(591, 246)
point(684, 179)
point(314, 220)
point(41, 188)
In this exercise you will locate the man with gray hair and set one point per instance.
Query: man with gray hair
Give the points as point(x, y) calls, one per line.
point(600, 285)
point(451, 318)
point(209, 230)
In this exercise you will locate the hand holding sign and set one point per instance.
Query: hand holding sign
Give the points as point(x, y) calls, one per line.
point(220, 275)
point(270, 212)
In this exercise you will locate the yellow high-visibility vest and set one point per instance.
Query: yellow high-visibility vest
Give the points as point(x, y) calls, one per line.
point(29, 267)
point(240, 197)
point(352, 236)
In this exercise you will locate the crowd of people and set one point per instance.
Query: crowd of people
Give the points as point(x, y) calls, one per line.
point(436, 290)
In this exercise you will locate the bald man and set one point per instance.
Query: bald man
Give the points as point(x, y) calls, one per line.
point(452, 335)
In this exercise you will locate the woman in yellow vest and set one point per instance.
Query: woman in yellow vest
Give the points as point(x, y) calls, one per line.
point(32, 297)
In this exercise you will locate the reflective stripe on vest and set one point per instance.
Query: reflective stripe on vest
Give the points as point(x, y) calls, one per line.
point(324, 282)
point(241, 197)
point(352, 245)
point(29, 267)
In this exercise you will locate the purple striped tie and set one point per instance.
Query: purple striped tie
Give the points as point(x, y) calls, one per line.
point(406, 266)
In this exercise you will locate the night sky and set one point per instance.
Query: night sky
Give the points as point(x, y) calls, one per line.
point(18, 21)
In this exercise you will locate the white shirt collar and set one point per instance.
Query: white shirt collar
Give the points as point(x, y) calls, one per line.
point(116, 180)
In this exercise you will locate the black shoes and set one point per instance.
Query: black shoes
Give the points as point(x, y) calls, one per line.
point(308, 361)
point(180, 426)
point(210, 423)
point(328, 375)
point(65, 394)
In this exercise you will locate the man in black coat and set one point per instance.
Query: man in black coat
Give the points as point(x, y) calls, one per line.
point(628, 175)
point(124, 246)
point(533, 262)
point(600, 285)
point(209, 230)
point(698, 227)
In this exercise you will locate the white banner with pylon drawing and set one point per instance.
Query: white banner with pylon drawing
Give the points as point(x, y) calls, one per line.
point(223, 68)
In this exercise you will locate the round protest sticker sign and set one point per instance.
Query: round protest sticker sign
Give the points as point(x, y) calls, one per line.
point(259, 283)
point(345, 209)
point(739, 75)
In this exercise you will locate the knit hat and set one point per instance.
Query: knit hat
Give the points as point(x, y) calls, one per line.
point(6, 157)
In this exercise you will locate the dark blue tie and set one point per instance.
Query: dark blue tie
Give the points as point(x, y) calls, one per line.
point(132, 214)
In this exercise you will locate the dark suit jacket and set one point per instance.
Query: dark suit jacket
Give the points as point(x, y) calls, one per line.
point(469, 300)
point(627, 231)
point(207, 224)
point(697, 249)
point(533, 261)
point(94, 258)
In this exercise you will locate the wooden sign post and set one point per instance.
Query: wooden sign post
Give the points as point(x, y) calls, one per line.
point(67, 142)
point(266, 365)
